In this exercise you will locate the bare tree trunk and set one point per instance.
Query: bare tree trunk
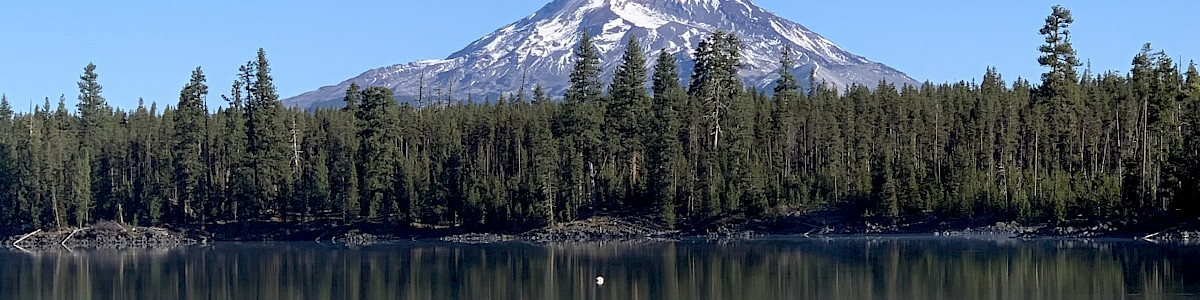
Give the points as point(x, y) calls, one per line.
point(548, 189)
point(421, 90)
point(1145, 147)
point(1037, 141)
point(54, 203)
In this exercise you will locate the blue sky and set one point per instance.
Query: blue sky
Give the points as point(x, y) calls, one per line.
point(148, 48)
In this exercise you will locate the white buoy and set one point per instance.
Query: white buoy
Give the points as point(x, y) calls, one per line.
point(599, 280)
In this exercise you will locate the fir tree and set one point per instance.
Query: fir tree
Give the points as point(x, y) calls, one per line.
point(625, 122)
point(94, 111)
point(1060, 87)
point(782, 131)
point(379, 155)
point(714, 89)
point(266, 135)
point(665, 153)
point(1190, 157)
point(94, 115)
point(9, 176)
point(190, 125)
point(580, 124)
point(238, 173)
point(343, 155)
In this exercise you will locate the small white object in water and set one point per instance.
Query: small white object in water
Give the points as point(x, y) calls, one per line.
point(599, 280)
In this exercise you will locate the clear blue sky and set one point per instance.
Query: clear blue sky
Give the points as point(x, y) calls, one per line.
point(148, 48)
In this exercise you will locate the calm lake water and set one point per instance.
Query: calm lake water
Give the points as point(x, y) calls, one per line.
point(769, 268)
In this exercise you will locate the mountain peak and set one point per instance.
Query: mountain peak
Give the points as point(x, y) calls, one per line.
point(539, 49)
point(706, 3)
point(700, 3)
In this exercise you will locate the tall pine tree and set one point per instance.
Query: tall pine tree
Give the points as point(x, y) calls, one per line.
point(268, 146)
point(190, 125)
point(379, 156)
point(94, 116)
point(583, 114)
point(665, 159)
point(625, 124)
point(1060, 95)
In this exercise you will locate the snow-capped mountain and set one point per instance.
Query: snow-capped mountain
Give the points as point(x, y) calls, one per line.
point(540, 48)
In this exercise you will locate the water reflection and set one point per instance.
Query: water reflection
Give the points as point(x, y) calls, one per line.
point(843, 268)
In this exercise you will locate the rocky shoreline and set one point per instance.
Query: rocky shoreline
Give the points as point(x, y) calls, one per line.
point(1152, 226)
point(1147, 225)
point(594, 229)
point(103, 235)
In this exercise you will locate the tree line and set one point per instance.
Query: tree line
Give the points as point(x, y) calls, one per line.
point(1099, 144)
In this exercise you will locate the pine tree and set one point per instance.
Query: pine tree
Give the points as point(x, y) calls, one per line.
point(343, 155)
point(1060, 91)
point(1060, 87)
point(61, 147)
point(266, 135)
point(1190, 157)
point(539, 95)
point(665, 153)
point(353, 99)
point(543, 147)
point(162, 168)
point(585, 82)
point(1163, 117)
point(94, 116)
point(30, 201)
point(583, 114)
point(625, 122)
point(1142, 80)
point(379, 155)
point(312, 188)
point(190, 125)
point(6, 117)
point(714, 90)
point(94, 111)
point(238, 174)
point(782, 128)
point(146, 201)
point(9, 176)
point(294, 195)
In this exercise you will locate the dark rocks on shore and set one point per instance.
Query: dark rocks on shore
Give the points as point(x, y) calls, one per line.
point(353, 233)
point(1187, 232)
point(1148, 225)
point(357, 238)
point(1000, 229)
point(1179, 235)
point(599, 229)
point(729, 233)
point(103, 235)
point(594, 229)
point(479, 238)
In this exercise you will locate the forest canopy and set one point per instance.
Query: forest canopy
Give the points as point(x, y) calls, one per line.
point(1078, 142)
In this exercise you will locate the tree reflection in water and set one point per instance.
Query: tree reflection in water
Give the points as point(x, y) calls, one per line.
point(772, 268)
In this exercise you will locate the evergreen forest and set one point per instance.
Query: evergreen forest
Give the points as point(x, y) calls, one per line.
point(1073, 142)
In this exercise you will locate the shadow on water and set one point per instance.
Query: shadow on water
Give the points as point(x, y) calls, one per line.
point(768, 268)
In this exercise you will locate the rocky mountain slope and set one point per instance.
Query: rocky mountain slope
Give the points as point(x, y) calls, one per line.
point(539, 49)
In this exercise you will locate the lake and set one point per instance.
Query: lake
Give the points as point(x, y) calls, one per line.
point(763, 268)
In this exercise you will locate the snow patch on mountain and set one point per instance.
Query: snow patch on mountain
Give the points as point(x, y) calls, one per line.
point(640, 15)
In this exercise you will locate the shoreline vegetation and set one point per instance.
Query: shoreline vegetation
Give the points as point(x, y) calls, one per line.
point(644, 156)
